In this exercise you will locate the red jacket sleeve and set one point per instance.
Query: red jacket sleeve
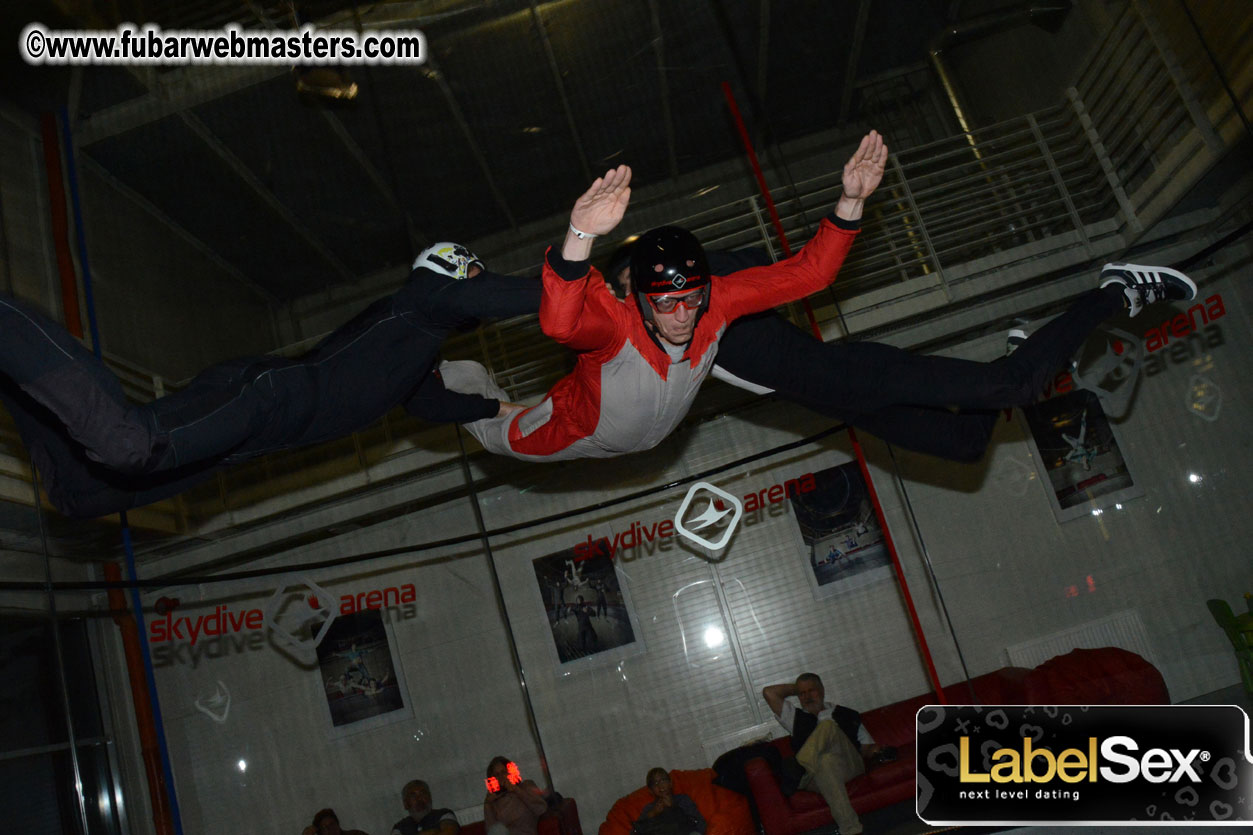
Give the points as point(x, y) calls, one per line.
point(577, 313)
point(808, 271)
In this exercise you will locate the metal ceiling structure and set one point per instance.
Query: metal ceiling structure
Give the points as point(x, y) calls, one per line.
point(519, 106)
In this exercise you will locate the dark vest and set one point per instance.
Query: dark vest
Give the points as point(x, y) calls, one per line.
point(408, 826)
point(804, 723)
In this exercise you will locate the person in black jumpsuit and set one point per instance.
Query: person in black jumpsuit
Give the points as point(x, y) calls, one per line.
point(97, 453)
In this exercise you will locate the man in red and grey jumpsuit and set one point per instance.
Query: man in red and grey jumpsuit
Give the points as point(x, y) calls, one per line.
point(639, 366)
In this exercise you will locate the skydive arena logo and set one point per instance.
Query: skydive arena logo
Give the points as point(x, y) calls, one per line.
point(1021, 766)
point(717, 504)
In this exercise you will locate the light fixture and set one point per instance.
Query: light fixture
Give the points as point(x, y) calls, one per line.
point(325, 84)
point(714, 637)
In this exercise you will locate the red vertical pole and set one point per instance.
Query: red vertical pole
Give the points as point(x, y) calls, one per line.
point(765, 192)
point(857, 450)
point(144, 719)
point(756, 166)
point(145, 722)
point(60, 224)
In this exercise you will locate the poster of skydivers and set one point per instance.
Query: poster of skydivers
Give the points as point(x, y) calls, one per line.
point(588, 609)
point(360, 679)
point(839, 532)
point(1077, 450)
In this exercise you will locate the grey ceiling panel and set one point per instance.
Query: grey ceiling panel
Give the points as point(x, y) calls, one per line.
point(104, 87)
point(611, 75)
point(404, 124)
point(295, 153)
point(166, 163)
point(499, 75)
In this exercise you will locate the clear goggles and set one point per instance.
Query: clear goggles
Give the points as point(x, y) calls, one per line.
point(692, 300)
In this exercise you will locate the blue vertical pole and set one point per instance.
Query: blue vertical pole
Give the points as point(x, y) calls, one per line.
point(136, 602)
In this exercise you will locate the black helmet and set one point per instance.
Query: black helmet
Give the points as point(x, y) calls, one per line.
point(667, 260)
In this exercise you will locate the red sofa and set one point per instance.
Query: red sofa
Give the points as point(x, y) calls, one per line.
point(564, 820)
point(1097, 676)
point(1107, 676)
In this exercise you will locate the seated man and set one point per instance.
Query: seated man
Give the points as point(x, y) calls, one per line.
point(326, 822)
point(422, 819)
point(669, 813)
point(829, 741)
point(97, 453)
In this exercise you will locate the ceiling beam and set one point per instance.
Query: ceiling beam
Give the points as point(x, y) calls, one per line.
point(351, 145)
point(178, 91)
point(437, 75)
point(659, 49)
point(854, 57)
point(561, 91)
point(187, 87)
point(415, 235)
point(200, 246)
point(265, 195)
point(241, 170)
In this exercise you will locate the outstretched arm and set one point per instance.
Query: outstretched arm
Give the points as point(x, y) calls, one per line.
point(433, 402)
point(597, 212)
point(574, 311)
point(862, 174)
point(816, 265)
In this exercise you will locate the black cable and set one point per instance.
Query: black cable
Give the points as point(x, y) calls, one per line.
point(532, 720)
point(935, 581)
point(161, 582)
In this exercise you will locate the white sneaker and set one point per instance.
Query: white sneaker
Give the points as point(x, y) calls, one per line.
point(1144, 285)
point(1013, 339)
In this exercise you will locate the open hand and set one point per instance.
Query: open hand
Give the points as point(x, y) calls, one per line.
point(507, 409)
point(602, 206)
point(864, 168)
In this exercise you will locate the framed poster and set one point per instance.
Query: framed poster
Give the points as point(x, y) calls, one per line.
point(840, 535)
point(1076, 450)
point(362, 684)
point(587, 608)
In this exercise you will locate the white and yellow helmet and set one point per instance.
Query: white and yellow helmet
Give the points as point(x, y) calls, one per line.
point(447, 258)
